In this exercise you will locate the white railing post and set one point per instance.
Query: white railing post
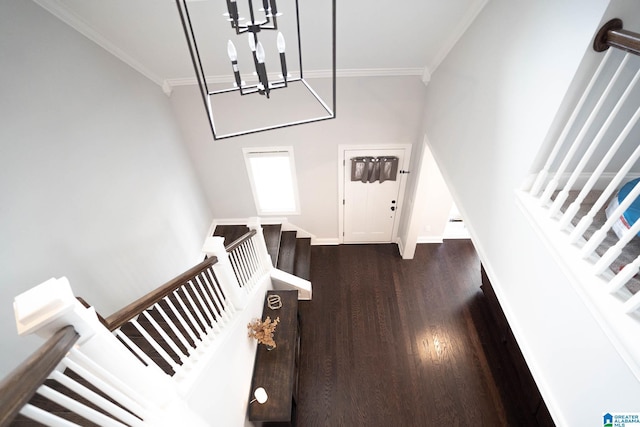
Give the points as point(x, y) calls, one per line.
point(214, 246)
point(50, 306)
point(265, 259)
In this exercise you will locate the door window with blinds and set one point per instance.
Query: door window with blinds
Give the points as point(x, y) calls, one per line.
point(273, 180)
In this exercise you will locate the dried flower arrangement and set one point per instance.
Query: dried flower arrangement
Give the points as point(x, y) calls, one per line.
point(263, 330)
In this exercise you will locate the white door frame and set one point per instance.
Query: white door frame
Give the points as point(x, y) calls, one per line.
point(403, 183)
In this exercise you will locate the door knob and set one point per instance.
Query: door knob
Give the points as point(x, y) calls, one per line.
point(393, 208)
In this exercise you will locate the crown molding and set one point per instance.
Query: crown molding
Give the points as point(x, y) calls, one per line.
point(460, 29)
point(314, 74)
point(74, 21)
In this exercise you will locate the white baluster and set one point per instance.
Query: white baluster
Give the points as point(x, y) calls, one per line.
point(543, 174)
point(226, 309)
point(260, 244)
point(52, 305)
point(633, 303)
point(553, 184)
point(77, 407)
point(575, 206)
point(43, 417)
point(175, 330)
point(214, 246)
point(212, 314)
point(182, 320)
point(192, 320)
point(599, 236)
point(614, 251)
point(196, 308)
point(96, 399)
point(167, 339)
point(156, 346)
point(103, 380)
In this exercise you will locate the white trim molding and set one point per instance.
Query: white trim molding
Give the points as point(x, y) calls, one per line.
point(74, 21)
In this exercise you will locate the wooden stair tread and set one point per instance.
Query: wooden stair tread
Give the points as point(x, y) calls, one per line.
point(302, 265)
point(286, 256)
point(271, 234)
point(230, 232)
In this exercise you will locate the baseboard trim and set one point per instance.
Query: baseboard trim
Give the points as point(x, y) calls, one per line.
point(430, 239)
point(326, 241)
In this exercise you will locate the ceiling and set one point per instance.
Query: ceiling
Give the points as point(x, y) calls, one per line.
point(374, 37)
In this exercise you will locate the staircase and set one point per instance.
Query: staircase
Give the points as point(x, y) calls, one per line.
point(289, 252)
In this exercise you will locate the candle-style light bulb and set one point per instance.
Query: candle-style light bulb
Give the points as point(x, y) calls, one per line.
point(260, 53)
point(252, 42)
point(280, 43)
point(231, 51)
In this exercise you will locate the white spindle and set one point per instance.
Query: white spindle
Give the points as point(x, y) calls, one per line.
point(96, 399)
point(261, 245)
point(553, 184)
point(543, 174)
point(77, 407)
point(614, 251)
point(182, 320)
point(575, 206)
point(242, 259)
point(46, 418)
point(212, 313)
point(175, 330)
point(224, 272)
point(192, 321)
point(632, 303)
point(157, 347)
point(110, 385)
point(599, 236)
point(202, 325)
point(165, 337)
point(226, 309)
point(203, 313)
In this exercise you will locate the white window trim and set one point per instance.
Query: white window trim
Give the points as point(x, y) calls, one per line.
point(294, 181)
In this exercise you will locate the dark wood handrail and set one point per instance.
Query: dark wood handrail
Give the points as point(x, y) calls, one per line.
point(612, 34)
point(21, 384)
point(240, 240)
point(127, 313)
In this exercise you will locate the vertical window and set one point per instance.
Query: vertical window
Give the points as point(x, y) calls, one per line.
point(273, 179)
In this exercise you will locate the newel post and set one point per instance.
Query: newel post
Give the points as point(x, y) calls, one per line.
point(261, 247)
point(214, 246)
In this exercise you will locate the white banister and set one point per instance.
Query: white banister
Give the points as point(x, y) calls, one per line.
point(263, 256)
point(77, 407)
point(544, 173)
point(175, 329)
point(592, 165)
point(214, 246)
point(96, 399)
point(595, 175)
point(50, 306)
point(573, 150)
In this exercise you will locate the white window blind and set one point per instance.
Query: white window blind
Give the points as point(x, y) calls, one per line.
point(273, 180)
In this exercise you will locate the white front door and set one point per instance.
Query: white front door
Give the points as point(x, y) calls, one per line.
point(371, 208)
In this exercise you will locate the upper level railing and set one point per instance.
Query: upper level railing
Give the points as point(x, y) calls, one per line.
point(125, 369)
point(575, 199)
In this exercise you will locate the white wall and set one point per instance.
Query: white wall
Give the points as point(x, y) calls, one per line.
point(488, 109)
point(373, 110)
point(95, 184)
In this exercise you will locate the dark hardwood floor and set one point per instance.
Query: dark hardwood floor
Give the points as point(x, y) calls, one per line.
point(392, 342)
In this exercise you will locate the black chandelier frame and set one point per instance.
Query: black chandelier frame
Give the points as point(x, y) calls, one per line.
point(264, 86)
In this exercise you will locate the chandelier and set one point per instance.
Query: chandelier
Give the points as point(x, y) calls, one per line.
point(256, 29)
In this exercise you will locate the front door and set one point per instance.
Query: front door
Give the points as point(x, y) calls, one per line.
point(370, 208)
